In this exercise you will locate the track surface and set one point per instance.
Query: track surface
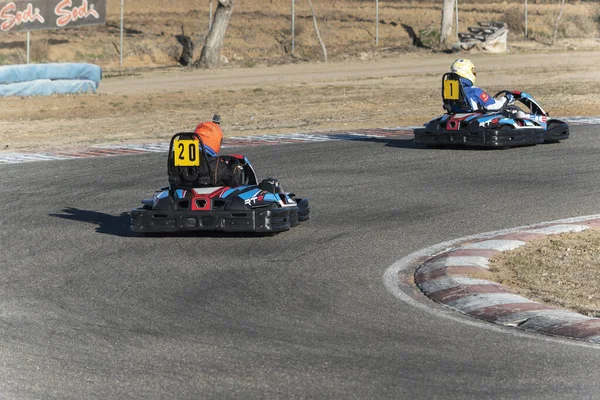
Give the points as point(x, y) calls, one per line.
point(89, 310)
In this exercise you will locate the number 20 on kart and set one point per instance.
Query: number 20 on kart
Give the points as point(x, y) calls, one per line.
point(187, 153)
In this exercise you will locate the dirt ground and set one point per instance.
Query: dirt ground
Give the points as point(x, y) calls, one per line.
point(558, 269)
point(264, 88)
point(150, 105)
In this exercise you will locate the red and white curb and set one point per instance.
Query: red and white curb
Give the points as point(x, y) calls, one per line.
point(262, 140)
point(444, 273)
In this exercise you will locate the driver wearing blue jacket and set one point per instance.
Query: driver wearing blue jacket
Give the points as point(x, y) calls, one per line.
point(478, 99)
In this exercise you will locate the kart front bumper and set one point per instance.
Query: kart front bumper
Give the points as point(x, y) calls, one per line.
point(260, 220)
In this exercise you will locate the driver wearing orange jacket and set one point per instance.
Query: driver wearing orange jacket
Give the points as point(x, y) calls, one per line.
point(211, 134)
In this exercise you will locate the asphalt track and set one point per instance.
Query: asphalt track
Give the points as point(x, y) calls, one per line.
point(90, 310)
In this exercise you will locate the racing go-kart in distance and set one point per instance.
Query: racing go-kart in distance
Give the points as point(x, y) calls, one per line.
point(519, 124)
point(216, 194)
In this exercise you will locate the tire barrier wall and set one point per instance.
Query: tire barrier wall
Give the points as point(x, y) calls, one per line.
point(487, 37)
point(48, 79)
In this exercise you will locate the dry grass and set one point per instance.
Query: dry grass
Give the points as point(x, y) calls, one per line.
point(561, 270)
point(399, 98)
point(260, 30)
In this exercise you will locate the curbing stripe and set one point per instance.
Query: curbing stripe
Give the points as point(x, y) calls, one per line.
point(525, 237)
point(112, 150)
point(477, 301)
point(487, 253)
point(454, 261)
point(453, 270)
point(253, 141)
point(492, 314)
point(399, 280)
point(459, 292)
point(544, 319)
point(500, 245)
point(551, 322)
point(445, 278)
point(432, 286)
point(554, 229)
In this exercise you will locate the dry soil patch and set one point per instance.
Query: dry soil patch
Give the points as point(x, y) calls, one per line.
point(561, 270)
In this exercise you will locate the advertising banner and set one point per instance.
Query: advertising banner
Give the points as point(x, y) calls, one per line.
point(30, 15)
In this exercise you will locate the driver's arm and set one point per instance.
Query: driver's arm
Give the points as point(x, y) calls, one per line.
point(489, 103)
point(496, 104)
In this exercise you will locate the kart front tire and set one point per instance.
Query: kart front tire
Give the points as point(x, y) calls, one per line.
point(550, 126)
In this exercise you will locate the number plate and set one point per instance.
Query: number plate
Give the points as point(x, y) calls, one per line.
point(186, 153)
point(451, 89)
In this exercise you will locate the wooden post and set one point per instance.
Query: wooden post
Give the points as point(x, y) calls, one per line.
point(317, 30)
point(447, 17)
point(293, 25)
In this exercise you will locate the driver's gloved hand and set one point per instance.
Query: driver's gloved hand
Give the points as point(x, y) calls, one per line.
point(510, 99)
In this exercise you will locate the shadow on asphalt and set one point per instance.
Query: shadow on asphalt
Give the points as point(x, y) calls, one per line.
point(107, 223)
point(410, 144)
point(119, 225)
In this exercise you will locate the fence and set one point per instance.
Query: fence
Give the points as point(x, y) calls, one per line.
point(271, 31)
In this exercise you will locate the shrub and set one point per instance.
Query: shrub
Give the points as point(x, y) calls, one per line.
point(578, 25)
point(515, 20)
point(38, 52)
point(429, 36)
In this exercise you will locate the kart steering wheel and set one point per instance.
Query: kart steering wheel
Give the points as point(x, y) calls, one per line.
point(503, 93)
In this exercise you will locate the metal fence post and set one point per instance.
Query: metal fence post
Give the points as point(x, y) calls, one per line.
point(525, 18)
point(293, 25)
point(28, 45)
point(210, 16)
point(456, 18)
point(376, 23)
point(121, 52)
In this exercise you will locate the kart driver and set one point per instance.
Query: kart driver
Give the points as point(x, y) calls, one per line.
point(227, 171)
point(211, 134)
point(476, 97)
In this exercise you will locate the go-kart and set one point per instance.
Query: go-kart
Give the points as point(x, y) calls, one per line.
point(216, 194)
point(519, 124)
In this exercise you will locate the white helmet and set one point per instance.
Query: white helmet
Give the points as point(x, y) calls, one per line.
point(464, 68)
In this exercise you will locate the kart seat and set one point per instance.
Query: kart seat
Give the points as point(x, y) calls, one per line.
point(453, 94)
point(191, 177)
point(192, 174)
point(200, 170)
point(217, 171)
